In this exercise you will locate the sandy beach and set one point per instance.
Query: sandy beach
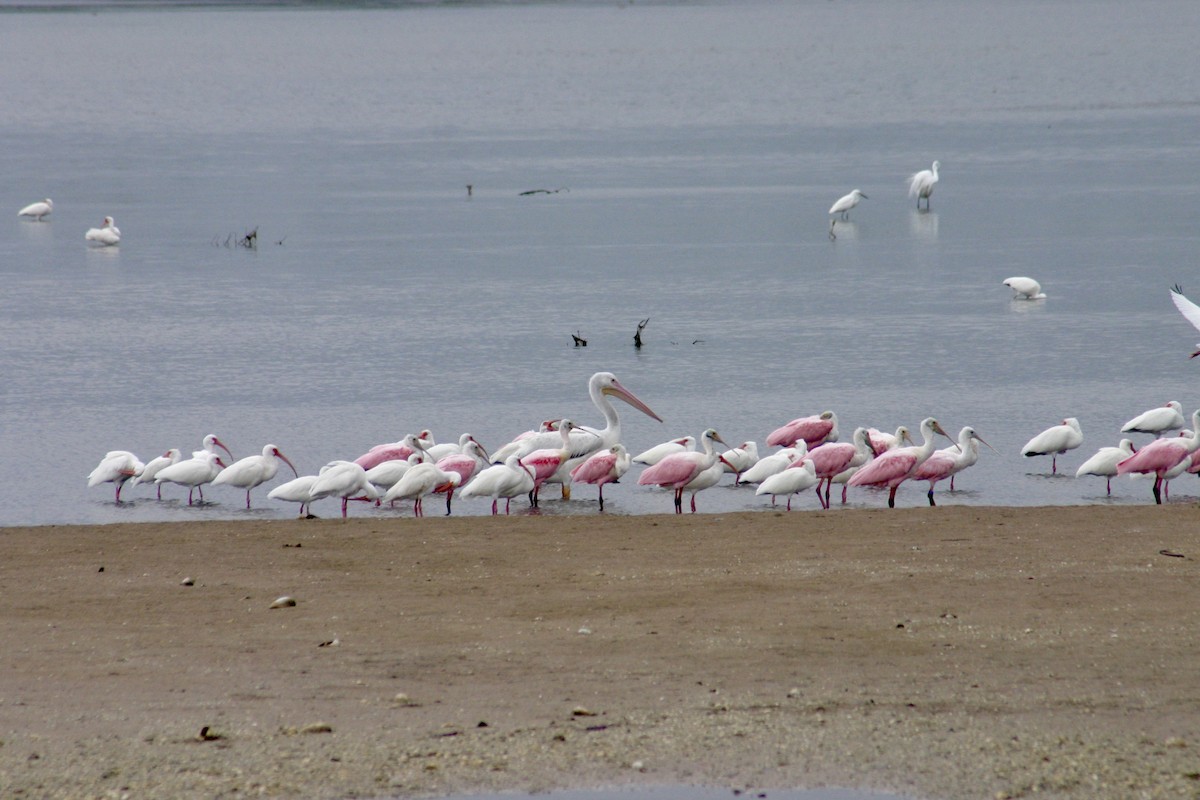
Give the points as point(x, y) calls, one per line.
point(942, 653)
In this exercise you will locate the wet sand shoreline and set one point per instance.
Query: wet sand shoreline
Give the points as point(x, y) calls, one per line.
point(949, 652)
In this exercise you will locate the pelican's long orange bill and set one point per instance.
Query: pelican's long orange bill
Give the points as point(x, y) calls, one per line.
point(617, 390)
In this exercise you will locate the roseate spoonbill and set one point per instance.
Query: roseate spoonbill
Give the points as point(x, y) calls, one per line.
point(1161, 455)
point(660, 451)
point(1104, 462)
point(833, 458)
point(545, 462)
point(465, 464)
point(152, 467)
point(116, 467)
point(791, 481)
point(920, 184)
point(1157, 420)
point(678, 469)
point(862, 440)
point(192, 473)
point(844, 204)
point(343, 479)
point(740, 459)
point(395, 451)
point(1025, 288)
point(253, 471)
point(947, 462)
point(1190, 311)
point(601, 386)
point(420, 480)
point(811, 430)
point(705, 479)
point(106, 235)
point(209, 444)
point(508, 480)
point(607, 466)
point(881, 441)
point(37, 211)
point(896, 466)
point(964, 458)
point(775, 462)
point(1055, 441)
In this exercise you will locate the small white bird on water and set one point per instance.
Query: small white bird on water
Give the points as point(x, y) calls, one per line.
point(1104, 462)
point(106, 235)
point(1055, 441)
point(844, 204)
point(920, 184)
point(1025, 288)
point(37, 211)
point(1157, 421)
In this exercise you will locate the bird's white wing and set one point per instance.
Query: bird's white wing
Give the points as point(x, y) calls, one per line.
point(1190, 311)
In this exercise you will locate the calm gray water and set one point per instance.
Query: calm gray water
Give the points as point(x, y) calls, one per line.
point(698, 146)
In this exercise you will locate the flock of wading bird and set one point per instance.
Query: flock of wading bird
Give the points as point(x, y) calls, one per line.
point(564, 452)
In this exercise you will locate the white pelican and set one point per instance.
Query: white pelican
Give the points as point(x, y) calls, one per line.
point(586, 441)
point(37, 211)
point(792, 480)
point(844, 204)
point(920, 184)
point(1158, 421)
point(507, 480)
point(660, 451)
point(116, 467)
point(252, 471)
point(680, 469)
point(1055, 441)
point(193, 473)
point(343, 479)
point(168, 458)
point(1104, 462)
point(1025, 288)
point(107, 234)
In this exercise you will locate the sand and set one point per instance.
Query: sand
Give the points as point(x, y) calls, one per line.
point(943, 653)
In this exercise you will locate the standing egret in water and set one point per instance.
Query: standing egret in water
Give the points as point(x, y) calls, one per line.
point(37, 211)
point(920, 184)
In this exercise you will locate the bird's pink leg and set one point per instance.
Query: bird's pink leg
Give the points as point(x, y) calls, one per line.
point(345, 500)
point(506, 503)
point(1108, 485)
point(845, 488)
point(789, 505)
point(1054, 464)
point(189, 497)
point(160, 491)
point(449, 496)
point(495, 500)
point(247, 498)
point(892, 497)
point(693, 502)
point(952, 483)
point(118, 491)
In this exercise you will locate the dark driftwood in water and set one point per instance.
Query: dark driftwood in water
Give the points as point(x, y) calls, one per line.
point(579, 340)
point(544, 191)
point(637, 337)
